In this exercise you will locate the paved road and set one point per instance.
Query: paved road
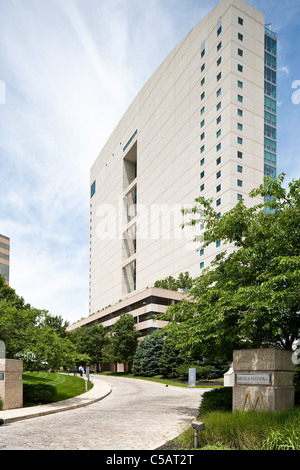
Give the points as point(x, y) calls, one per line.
point(137, 415)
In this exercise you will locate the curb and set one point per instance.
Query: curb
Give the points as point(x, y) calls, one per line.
point(97, 393)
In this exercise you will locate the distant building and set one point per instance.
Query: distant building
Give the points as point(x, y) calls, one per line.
point(143, 306)
point(4, 257)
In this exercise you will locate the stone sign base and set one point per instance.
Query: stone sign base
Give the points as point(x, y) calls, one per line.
point(263, 380)
point(11, 384)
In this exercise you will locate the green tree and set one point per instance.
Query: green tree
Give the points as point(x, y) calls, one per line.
point(90, 341)
point(171, 358)
point(250, 296)
point(32, 335)
point(123, 339)
point(184, 281)
point(17, 321)
point(148, 354)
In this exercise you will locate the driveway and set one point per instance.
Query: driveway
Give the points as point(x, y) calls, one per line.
point(137, 415)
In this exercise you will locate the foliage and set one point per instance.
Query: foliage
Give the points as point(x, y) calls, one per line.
point(184, 282)
point(38, 393)
point(33, 335)
point(90, 342)
point(123, 339)
point(147, 356)
point(170, 359)
point(251, 430)
point(219, 399)
point(202, 372)
point(250, 297)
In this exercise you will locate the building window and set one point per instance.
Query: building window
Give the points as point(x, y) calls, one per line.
point(240, 68)
point(219, 147)
point(240, 37)
point(219, 92)
point(219, 46)
point(218, 188)
point(202, 187)
point(202, 174)
point(202, 110)
point(219, 119)
point(240, 52)
point(240, 98)
point(202, 148)
point(239, 140)
point(203, 53)
point(202, 265)
point(202, 136)
point(239, 197)
point(219, 61)
point(218, 202)
point(240, 112)
point(202, 67)
point(218, 134)
point(240, 84)
point(219, 31)
point(202, 161)
point(219, 76)
point(202, 123)
point(219, 215)
point(218, 161)
point(240, 154)
point(240, 21)
point(240, 169)
point(240, 183)
point(218, 175)
point(219, 106)
point(240, 126)
point(93, 189)
point(203, 95)
point(218, 243)
point(202, 81)
point(202, 252)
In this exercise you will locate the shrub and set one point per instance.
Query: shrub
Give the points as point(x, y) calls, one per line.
point(202, 372)
point(39, 393)
point(1, 403)
point(219, 399)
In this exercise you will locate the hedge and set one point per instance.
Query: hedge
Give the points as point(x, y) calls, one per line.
point(39, 393)
point(219, 399)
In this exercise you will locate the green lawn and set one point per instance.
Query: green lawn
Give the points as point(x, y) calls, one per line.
point(67, 386)
point(159, 379)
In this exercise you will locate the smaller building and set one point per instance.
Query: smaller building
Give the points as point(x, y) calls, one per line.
point(142, 305)
point(4, 257)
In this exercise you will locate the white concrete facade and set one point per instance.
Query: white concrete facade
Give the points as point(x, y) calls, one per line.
point(195, 129)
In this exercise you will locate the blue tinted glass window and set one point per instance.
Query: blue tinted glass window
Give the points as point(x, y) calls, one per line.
point(93, 188)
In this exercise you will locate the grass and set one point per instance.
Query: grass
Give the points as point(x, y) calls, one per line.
point(66, 386)
point(161, 380)
point(251, 430)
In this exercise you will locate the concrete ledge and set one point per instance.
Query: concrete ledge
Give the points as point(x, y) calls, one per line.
point(99, 391)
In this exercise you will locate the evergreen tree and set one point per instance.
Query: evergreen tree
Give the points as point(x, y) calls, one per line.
point(147, 356)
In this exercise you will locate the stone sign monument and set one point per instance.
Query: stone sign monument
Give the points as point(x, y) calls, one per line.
point(11, 384)
point(263, 380)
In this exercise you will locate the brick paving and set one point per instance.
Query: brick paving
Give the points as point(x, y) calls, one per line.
point(136, 415)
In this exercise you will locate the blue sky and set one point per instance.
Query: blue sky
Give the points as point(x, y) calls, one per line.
point(68, 71)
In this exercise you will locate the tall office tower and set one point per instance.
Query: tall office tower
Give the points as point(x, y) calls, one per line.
point(4, 257)
point(203, 125)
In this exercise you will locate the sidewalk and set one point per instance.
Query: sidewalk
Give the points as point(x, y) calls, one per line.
point(99, 391)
